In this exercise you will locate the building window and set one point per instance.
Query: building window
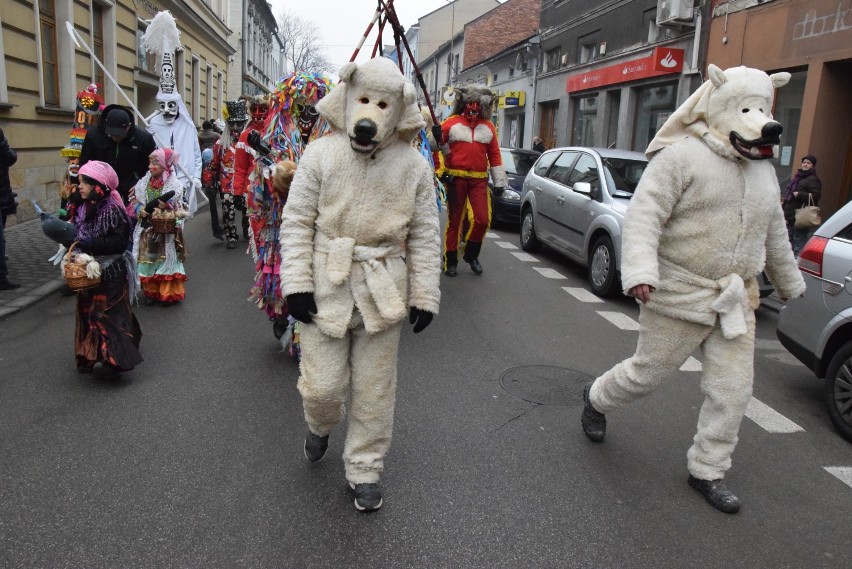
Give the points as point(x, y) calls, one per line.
point(654, 105)
point(49, 52)
point(588, 52)
point(208, 89)
point(144, 60)
point(195, 95)
point(98, 43)
point(585, 117)
point(4, 91)
point(553, 59)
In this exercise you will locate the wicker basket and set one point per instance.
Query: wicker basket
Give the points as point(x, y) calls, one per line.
point(164, 225)
point(75, 274)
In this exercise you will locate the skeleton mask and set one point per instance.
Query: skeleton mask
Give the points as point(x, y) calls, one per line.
point(472, 109)
point(170, 111)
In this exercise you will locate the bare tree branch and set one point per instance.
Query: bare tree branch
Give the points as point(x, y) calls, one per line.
point(301, 47)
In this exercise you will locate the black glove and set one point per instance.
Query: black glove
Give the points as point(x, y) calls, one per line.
point(257, 143)
point(301, 306)
point(438, 134)
point(422, 317)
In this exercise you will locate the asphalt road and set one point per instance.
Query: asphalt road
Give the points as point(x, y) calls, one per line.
point(195, 458)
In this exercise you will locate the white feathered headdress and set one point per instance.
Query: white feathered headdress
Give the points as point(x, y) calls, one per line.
point(163, 38)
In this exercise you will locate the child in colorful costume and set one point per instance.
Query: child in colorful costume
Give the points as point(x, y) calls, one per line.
point(293, 122)
point(159, 256)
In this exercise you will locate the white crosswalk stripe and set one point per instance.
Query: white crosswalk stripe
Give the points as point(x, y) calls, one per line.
point(525, 257)
point(842, 473)
point(491, 235)
point(691, 364)
point(769, 419)
point(549, 273)
point(505, 245)
point(623, 321)
point(582, 294)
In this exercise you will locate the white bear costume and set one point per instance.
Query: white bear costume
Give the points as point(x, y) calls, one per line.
point(361, 232)
point(703, 221)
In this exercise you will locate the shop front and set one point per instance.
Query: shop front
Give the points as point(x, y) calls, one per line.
point(512, 108)
point(624, 104)
point(812, 40)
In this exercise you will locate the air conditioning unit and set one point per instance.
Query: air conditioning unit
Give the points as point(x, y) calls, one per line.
point(674, 12)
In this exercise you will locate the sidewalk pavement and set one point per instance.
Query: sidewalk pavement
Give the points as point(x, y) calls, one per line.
point(28, 250)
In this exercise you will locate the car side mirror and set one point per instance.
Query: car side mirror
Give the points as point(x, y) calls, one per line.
point(584, 188)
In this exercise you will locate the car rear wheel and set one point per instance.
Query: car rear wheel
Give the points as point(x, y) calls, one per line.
point(529, 239)
point(602, 267)
point(838, 390)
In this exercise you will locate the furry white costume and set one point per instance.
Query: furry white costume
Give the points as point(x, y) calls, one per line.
point(704, 220)
point(360, 236)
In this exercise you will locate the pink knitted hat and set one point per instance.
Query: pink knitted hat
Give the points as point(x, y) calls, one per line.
point(100, 171)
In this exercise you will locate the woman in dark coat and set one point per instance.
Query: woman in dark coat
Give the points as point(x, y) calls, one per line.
point(107, 331)
point(8, 206)
point(804, 189)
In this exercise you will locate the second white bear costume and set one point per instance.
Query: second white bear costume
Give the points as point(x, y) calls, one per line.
point(705, 218)
point(360, 234)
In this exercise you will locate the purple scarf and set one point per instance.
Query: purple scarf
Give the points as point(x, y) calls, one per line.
point(108, 214)
point(791, 187)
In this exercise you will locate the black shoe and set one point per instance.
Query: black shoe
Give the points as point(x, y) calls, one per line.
point(315, 446)
point(219, 236)
point(717, 494)
point(368, 497)
point(232, 244)
point(594, 422)
point(86, 368)
point(452, 271)
point(475, 266)
point(279, 327)
point(66, 290)
point(6, 285)
point(150, 301)
point(245, 232)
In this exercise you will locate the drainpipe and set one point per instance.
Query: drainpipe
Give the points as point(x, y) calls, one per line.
point(535, 41)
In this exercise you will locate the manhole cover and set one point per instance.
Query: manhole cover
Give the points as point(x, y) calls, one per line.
point(545, 385)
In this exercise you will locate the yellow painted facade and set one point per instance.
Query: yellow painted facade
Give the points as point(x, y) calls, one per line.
point(37, 128)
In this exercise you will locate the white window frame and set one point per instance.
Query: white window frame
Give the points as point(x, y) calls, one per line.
point(195, 94)
point(208, 89)
point(65, 55)
point(4, 90)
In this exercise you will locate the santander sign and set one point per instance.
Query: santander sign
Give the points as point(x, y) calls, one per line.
point(661, 61)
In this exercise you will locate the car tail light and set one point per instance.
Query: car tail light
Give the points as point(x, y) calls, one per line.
point(810, 259)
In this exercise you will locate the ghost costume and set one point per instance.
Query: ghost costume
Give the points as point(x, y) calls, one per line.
point(181, 136)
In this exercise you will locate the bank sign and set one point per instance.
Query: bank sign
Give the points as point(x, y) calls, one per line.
point(662, 61)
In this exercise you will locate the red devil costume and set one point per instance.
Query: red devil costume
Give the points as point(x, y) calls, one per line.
point(471, 150)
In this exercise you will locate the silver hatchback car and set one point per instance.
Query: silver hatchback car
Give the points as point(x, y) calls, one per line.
point(817, 329)
point(574, 200)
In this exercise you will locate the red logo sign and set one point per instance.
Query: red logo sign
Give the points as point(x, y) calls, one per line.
point(662, 61)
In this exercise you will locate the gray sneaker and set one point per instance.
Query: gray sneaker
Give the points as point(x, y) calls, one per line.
point(315, 446)
point(594, 422)
point(368, 497)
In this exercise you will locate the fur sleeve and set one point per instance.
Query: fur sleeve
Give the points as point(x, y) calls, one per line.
point(781, 266)
point(296, 234)
point(423, 247)
point(656, 196)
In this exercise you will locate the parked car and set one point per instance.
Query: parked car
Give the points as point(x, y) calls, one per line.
point(574, 200)
point(506, 204)
point(817, 328)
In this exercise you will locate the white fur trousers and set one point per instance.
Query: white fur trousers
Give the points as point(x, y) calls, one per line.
point(664, 345)
point(360, 367)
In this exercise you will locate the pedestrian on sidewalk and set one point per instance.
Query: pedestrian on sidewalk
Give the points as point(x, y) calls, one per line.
point(107, 331)
point(804, 189)
point(8, 206)
point(159, 256)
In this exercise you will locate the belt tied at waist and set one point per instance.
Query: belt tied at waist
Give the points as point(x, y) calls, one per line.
point(342, 251)
point(731, 302)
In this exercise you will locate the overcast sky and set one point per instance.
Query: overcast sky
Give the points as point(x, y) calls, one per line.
point(343, 22)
